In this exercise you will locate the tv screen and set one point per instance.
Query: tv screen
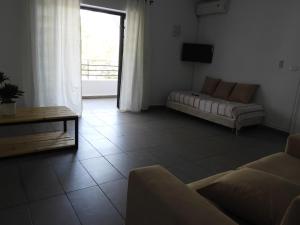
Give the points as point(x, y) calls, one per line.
point(197, 53)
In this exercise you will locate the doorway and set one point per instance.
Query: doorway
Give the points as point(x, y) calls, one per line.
point(102, 41)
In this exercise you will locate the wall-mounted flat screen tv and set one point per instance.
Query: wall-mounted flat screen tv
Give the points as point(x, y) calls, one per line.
point(197, 53)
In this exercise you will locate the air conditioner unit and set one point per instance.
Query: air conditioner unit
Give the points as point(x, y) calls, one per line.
point(209, 7)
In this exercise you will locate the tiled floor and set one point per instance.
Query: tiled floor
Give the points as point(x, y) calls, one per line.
point(89, 186)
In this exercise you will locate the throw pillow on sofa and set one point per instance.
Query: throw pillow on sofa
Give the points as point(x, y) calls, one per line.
point(243, 93)
point(223, 90)
point(254, 196)
point(210, 85)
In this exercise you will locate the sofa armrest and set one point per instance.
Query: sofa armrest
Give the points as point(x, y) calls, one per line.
point(292, 213)
point(157, 197)
point(293, 145)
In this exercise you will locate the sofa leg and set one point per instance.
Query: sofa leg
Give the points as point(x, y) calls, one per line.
point(237, 132)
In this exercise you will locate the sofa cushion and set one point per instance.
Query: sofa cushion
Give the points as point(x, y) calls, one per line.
point(254, 196)
point(243, 93)
point(292, 214)
point(280, 164)
point(197, 185)
point(223, 90)
point(210, 85)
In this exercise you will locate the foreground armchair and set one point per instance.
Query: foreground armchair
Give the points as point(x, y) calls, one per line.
point(293, 146)
point(156, 197)
point(264, 192)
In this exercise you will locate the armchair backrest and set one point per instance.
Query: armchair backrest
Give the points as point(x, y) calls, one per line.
point(293, 145)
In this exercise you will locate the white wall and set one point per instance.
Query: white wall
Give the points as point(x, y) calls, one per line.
point(249, 42)
point(95, 88)
point(168, 72)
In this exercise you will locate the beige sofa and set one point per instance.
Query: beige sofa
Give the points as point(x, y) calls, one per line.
point(264, 192)
point(234, 115)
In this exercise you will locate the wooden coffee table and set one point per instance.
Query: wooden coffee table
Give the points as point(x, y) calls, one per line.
point(20, 145)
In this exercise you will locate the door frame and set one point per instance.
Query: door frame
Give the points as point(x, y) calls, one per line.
point(121, 44)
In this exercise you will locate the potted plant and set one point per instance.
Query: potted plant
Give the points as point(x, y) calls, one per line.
point(8, 92)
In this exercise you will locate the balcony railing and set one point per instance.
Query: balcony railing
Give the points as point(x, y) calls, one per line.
point(99, 72)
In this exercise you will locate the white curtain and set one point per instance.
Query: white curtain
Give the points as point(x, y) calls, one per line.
point(134, 71)
point(55, 48)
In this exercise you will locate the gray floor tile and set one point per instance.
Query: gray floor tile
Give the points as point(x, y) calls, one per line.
point(49, 158)
point(136, 143)
point(105, 147)
point(40, 182)
point(125, 162)
point(220, 163)
point(109, 132)
point(11, 189)
point(93, 136)
point(93, 208)
point(61, 157)
point(10, 162)
point(86, 128)
point(84, 145)
point(166, 157)
point(15, 216)
point(101, 170)
point(73, 176)
point(189, 172)
point(82, 155)
point(53, 211)
point(116, 191)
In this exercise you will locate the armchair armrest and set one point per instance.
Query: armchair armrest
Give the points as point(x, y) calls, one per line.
point(293, 145)
point(292, 213)
point(157, 197)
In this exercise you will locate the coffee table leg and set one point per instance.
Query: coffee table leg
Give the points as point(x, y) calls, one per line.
point(76, 133)
point(65, 126)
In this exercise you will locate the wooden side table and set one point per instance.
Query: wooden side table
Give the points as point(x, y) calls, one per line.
point(26, 144)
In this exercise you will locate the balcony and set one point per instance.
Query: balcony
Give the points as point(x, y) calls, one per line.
point(99, 80)
point(100, 41)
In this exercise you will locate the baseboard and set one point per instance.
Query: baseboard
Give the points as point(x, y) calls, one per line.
point(275, 127)
point(157, 106)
